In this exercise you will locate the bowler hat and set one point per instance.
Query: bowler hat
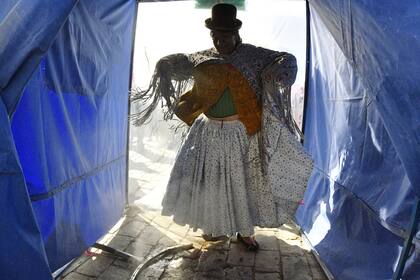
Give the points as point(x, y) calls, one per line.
point(223, 18)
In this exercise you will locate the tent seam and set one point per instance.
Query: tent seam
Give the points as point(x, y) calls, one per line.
point(72, 181)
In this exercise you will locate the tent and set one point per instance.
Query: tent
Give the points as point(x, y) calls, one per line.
point(64, 83)
point(64, 80)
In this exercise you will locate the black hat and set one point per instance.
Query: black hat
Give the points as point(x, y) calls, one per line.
point(223, 18)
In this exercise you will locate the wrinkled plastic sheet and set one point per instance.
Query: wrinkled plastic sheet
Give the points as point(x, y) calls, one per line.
point(70, 127)
point(27, 28)
point(363, 132)
point(21, 244)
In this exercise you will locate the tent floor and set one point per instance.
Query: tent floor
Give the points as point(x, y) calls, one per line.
point(144, 233)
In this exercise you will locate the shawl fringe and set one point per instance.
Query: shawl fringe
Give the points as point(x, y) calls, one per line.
point(171, 78)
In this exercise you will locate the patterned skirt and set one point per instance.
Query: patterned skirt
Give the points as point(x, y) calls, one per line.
point(217, 182)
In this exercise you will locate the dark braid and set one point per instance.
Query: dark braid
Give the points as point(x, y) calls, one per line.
point(238, 38)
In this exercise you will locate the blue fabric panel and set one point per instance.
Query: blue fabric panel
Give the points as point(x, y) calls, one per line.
point(382, 43)
point(21, 245)
point(74, 218)
point(346, 233)
point(70, 128)
point(27, 29)
point(362, 173)
point(346, 135)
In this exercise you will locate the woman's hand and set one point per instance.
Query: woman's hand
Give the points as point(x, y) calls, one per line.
point(175, 66)
point(164, 65)
point(282, 71)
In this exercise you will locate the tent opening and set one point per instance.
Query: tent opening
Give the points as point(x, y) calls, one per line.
point(165, 28)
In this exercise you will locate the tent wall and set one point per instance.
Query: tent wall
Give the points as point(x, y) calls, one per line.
point(27, 29)
point(72, 123)
point(69, 128)
point(21, 244)
point(363, 132)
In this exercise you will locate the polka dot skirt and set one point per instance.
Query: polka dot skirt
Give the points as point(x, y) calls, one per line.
point(218, 183)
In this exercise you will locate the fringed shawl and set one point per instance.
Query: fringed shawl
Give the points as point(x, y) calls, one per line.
point(173, 75)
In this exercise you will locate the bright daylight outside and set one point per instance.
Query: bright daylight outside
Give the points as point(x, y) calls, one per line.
point(165, 28)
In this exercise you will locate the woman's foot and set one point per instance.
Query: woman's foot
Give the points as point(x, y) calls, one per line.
point(210, 237)
point(250, 243)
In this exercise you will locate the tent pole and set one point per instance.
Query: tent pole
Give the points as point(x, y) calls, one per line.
point(130, 83)
point(415, 217)
point(308, 54)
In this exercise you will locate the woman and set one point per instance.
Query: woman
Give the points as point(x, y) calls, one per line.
point(240, 165)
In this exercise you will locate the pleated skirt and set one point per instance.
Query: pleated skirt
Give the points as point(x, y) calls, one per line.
point(217, 183)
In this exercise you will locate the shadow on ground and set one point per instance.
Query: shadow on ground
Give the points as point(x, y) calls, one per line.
point(144, 234)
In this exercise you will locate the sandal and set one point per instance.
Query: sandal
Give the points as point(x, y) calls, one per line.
point(250, 243)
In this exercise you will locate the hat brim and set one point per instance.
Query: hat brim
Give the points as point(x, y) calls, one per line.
point(212, 26)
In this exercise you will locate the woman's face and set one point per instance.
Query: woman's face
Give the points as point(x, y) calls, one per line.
point(224, 42)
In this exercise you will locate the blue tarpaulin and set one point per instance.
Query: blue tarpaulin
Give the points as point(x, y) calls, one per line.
point(63, 118)
point(363, 130)
point(63, 114)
